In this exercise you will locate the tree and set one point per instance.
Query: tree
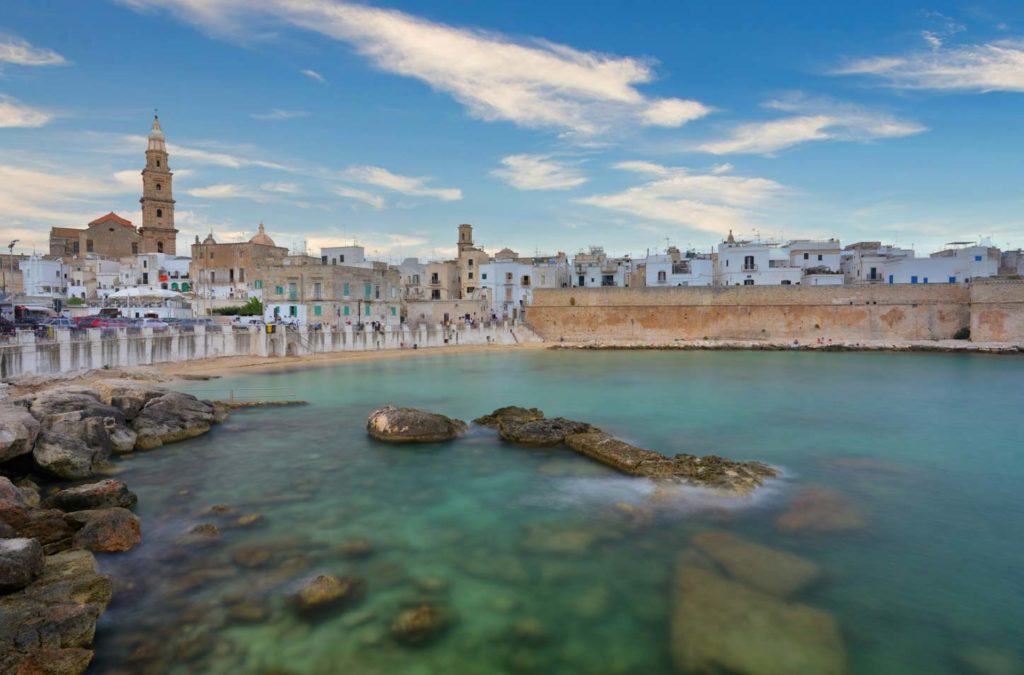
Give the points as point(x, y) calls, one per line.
point(252, 308)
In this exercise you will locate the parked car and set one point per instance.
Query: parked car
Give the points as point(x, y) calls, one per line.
point(157, 325)
point(59, 322)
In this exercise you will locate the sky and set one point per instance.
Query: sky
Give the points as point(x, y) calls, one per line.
point(549, 126)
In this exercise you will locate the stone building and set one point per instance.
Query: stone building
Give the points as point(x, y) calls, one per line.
point(225, 272)
point(112, 236)
point(302, 288)
point(469, 261)
point(509, 279)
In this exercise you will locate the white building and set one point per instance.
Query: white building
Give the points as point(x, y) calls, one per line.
point(676, 269)
point(91, 278)
point(353, 256)
point(766, 263)
point(871, 262)
point(44, 278)
point(594, 269)
point(509, 279)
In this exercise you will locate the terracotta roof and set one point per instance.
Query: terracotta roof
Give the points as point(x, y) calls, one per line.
point(112, 217)
point(64, 232)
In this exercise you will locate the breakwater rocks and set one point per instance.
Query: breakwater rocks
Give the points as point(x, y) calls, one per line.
point(529, 426)
point(51, 593)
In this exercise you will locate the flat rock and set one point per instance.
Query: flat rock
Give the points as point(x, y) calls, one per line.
point(509, 413)
point(327, 592)
point(172, 416)
point(109, 530)
point(819, 510)
point(719, 625)
point(543, 432)
point(611, 451)
point(104, 494)
point(21, 519)
point(767, 569)
point(21, 562)
point(392, 424)
point(73, 445)
point(419, 625)
point(18, 431)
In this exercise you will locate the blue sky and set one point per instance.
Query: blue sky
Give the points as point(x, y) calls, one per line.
point(549, 126)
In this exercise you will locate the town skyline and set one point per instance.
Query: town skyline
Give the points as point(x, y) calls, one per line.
point(561, 140)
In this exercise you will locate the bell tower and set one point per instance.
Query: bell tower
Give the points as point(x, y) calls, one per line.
point(158, 233)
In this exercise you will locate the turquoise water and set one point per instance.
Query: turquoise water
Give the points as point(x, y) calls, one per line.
point(533, 553)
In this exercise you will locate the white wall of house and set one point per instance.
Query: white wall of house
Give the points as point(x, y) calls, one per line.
point(663, 271)
point(44, 278)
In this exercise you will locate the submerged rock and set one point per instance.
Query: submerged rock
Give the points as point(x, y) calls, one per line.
point(817, 510)
point(543, 432)
point(560, 537)
point(990, 661)
point(509, 413)
point(327, 592)
point(767, 569)
point(719, 625)
point(18, 431)
point(392, 424)
point(104, 494)
point(109, 530)
point(356, 548)
point(611, 451)
point(21, 562)
point(419, 625)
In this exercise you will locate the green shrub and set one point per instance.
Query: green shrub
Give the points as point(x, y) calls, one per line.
point(962, 334)
point(252, 308)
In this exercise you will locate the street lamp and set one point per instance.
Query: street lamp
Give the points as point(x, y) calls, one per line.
point(10, 251)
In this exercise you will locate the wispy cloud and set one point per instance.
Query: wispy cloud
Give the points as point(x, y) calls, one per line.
point(811, 120)
point(14, 113)
point(313, 75)
point(16, 51)
point(277, 114)
point(530, 82)
point(231, 158)
point(407, 185)
point(710, 202)
point(539, 172)
point(221, 191)
point(281, 188)
point(376, 201)
point(995, 66)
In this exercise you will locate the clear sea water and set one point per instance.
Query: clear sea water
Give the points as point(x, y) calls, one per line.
point(531, 551)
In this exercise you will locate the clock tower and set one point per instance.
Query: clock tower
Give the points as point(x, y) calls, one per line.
point(158, 233)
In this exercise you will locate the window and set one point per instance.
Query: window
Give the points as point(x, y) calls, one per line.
point(925, 280)
point(213, 276)
point(317, 310)
point(416, 279)
point(323, 260)
point(88, 245)
point(525, 281)
point(293, 310)
point(279, 290)
point(748, 282)
point(366, 310)
point(819, 257)
point(890, 279)
point(913, 279)
point(435, 294)
point(184, 288)
point(159, 247)
point(258, 284)
point(470, 262)
point(344, 289)
point(159, 213)
point(508, 277)
point(662, 277)
point(341, 258)
point(748, 262)
point(977, 258)
point(135, 249)
point(470, 275)
point(484, 276)
point(367, 290)
point(158, 187)
point(158, 163)
point(786, 282)
point(952, 280)
point(231, 275)
point(345, 310)
point(293, 290)
point(376, 292)
point(394, 310)
point(806, 256)
point(316, 292)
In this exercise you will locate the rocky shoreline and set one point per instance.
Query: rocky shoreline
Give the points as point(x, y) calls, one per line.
point(51, 593)
point(942, 346)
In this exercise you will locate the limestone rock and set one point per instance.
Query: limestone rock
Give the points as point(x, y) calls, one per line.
point(720, 625)
point(18, 431)
point(24, 520)
point(392, 424)
point(509, 413)
point(611, 451)
point(170, 417)
point(108, 530)
point(129, 396)
point(72, 445)
point(21, 561)
point(818, 510)
point(543, 432)
point(104, 494)
point(327, 592)
point(356, 548)
point(761, 567)
point(419, 625)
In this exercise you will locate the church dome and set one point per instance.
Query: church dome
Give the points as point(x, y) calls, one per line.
point(262, 238)
point(209, 239)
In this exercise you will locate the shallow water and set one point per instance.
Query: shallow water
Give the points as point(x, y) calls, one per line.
point(533, 553)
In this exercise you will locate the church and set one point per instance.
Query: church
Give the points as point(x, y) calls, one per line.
point(114, 237)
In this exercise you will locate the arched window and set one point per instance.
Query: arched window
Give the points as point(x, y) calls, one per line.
point(159, 247)
point(184, 287)
point(158, 187)
point(158, 163)
point(174, 285)
point(159, 213)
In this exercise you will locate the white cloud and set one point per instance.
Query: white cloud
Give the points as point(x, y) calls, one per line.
point(219, 191)
point(277, 114)
point(14, 113)
point(995, 66)
point(814, 120)
point(313, 75)
point(407, 185)
point(530, 82)
point(19, 52)
point(376, 201)
point(538, 172)
point(232, 159)
point(719, 169)
point(709, 202)
point(281, 188)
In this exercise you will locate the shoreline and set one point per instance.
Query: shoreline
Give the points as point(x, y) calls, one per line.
point(934, 346)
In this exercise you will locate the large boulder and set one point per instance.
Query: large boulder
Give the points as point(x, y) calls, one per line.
point(24, 520)
point(543, 432)
point(101, 495)
point(48, 626)
point(110, 530)
point(392, 424)
point(21, 561)
point(509, 413)
point(720, 625)
point(18, 431)
point(766, 569)
point(129, 396)
point(170, 417)
point(72, 445)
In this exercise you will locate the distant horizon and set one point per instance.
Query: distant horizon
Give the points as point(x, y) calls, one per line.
point(546, 128)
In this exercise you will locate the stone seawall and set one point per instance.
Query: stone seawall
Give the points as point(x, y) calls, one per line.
point(994, 312)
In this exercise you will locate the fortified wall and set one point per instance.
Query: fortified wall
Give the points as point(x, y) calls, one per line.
point(994, 311)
